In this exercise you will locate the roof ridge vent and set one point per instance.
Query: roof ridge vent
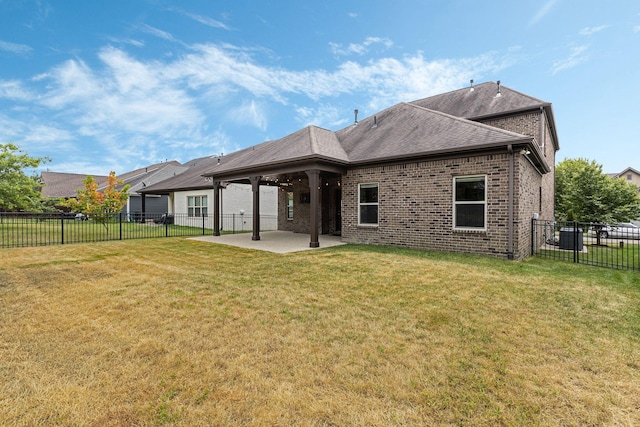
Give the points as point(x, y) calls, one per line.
point(499, 94)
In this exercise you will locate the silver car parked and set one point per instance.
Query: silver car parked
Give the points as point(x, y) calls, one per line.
point(622, 230)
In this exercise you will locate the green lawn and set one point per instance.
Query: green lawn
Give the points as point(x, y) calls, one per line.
point(180, 332)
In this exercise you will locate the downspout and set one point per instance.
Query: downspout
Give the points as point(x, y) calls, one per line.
point(511, 185)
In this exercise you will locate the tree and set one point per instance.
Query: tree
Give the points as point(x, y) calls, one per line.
point(100, 206)
point(584, 193)
point(19, 192)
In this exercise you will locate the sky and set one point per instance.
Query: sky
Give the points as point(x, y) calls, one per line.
point(97, 86)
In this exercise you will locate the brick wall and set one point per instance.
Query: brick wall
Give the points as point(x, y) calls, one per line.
point(416, 205)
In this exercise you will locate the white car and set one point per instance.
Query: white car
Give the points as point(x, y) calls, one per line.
point(622, 230)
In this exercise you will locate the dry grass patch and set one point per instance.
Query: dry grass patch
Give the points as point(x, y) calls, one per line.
point(179, 332)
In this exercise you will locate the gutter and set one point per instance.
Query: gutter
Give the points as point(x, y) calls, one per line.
point(510, 202)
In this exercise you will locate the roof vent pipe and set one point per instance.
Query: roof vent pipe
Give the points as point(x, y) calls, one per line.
point(498, 95)
point(472, 89)
point(355, 112)
point(375, 121)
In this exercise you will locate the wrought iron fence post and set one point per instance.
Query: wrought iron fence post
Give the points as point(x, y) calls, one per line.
point(533, 236)
point(166, 226)
point(575, 241)
point(120, 217)
point(203, 217)
point(62, 228)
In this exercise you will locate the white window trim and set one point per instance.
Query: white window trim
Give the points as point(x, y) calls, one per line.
point(484, 202)
point(366, 224)
point(201, 206)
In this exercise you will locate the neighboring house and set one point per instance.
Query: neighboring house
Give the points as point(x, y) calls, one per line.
point(190, 197)
point(629, 174)
point(66, 185)
point(139, 179)
point(465, 171)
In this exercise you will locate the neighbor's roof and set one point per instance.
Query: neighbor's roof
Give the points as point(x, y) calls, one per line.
point(191, 179)
point(59, 184)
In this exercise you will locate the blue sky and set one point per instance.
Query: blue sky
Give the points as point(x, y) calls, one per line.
point(99, 86)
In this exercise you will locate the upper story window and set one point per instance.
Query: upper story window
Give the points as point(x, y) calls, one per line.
point(368, 204)
point(197, 205)
point(470, 202)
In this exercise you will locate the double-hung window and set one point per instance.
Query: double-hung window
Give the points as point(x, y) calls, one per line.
point(368, 204)
point(470, 202)
point(197, 205)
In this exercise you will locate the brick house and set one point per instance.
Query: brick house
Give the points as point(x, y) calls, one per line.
point(629, 174)
point(464, 171)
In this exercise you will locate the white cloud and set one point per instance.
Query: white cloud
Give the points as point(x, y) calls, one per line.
point(576, 57)
point(14, 90)
point(157, 32)
point(359, 48)
point(542, 12)
point(249, 113)
point(205, 20)
point(324, 115)
point(19, 49)
point(587, 31)
point(152, 110)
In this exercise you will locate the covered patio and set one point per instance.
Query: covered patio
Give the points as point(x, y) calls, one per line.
point(308, 164)
point(281, 242)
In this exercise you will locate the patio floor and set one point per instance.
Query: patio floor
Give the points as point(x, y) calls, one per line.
point(281, 242)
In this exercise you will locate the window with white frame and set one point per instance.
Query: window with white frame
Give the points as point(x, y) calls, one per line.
point(470, 202)
point(368, 204)
point(289, 205)
point(197, 205)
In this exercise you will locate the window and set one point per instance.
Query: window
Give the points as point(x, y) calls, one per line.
point(368, 204)
point(197, 205)
point(289, 205)
point(629, 177)
point(469, 202)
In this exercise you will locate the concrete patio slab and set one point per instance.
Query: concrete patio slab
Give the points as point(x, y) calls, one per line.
point(281, 242)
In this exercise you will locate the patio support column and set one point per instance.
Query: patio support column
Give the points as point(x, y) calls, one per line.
point(255, 186)
point(216, 208)
point(314, 182)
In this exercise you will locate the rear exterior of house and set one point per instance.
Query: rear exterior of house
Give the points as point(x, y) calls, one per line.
point(464, 172)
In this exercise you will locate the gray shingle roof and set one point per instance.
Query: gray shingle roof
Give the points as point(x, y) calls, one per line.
point(407, 130)
point(481, 102)
point(431, 126)
point(59, 184)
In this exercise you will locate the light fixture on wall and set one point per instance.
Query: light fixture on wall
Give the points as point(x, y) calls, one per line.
point(525, 152)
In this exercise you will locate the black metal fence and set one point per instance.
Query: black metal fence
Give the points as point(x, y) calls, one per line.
point(43, 229)
point(611, 246)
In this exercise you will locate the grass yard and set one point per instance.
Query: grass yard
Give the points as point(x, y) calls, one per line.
point(188, 333)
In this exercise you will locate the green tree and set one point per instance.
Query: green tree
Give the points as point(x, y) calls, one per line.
point(101, 206)
point(585, 193)
point(18, 191)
